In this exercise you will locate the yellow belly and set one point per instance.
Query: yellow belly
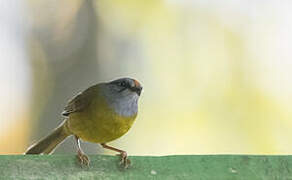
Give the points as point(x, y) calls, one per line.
point(98, 123)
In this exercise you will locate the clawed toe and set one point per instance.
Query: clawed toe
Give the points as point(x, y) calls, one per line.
point(125, 162)
point(83, 159)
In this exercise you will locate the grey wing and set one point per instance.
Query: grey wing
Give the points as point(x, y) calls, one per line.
point(79, 102)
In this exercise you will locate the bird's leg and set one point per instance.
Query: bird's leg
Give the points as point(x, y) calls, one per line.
point(82, 157)
point(124, 157)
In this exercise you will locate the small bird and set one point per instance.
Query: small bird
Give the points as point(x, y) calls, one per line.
point(100, 114)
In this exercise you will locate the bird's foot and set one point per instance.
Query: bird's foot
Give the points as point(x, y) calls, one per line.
point(125, 162)
point(83, 158)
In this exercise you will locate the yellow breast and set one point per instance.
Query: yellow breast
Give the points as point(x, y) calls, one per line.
point(98, 123)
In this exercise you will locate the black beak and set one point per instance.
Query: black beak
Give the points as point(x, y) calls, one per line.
point(138, 90)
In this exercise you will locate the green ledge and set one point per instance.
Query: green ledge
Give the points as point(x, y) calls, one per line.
point(197, 167)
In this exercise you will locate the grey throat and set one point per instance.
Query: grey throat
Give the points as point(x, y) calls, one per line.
point(123, 103)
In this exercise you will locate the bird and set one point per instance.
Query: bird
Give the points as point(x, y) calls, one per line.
point(100, 114)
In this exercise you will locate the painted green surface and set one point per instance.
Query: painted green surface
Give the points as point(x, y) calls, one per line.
point(197, 167)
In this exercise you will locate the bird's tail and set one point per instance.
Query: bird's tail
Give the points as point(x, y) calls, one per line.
point(49, 143)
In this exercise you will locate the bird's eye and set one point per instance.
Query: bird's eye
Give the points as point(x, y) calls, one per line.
point(122, 84)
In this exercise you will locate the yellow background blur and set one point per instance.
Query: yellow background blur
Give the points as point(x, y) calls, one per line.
point(216, 74)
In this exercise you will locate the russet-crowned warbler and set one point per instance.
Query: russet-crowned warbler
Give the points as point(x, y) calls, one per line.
point(100, 114)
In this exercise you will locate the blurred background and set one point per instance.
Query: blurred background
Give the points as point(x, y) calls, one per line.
point(216, 74)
